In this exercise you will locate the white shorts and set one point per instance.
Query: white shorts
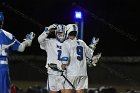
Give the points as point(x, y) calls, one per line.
point(55, 82)
point(79, 82)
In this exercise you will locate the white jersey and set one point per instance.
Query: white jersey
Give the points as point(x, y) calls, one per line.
point(55, 51)
point(78, 51)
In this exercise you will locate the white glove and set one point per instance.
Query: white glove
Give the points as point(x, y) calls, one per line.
point(51, 28)
point(30, 36)
point(89, 62)
point(94, 43)
point(94, 40)
point(28, 39)
point(95, 59)
point(92, 62)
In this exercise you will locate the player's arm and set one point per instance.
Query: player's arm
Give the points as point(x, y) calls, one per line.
point(27, 42)
point(65, 57)
point(15, 45)
point(89, 54)
point(46, 32)
point(44, 35)
point(42, 39)
point(92, 60)
point(88, 51)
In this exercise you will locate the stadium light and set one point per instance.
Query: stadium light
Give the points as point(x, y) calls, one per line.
point(78, 18)
point(78, 15)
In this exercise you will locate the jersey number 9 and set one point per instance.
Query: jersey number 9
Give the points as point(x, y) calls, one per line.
point(79, 53)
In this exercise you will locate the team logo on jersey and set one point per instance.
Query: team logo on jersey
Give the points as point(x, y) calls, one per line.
point(60, 47)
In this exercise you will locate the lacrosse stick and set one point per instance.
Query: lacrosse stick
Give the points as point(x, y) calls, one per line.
point(55, 68)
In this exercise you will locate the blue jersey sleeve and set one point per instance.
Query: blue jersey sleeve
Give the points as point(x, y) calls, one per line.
point(15, 45)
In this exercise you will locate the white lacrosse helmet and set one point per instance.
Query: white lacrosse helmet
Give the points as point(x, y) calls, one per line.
point(60, 33)
point(72, 29)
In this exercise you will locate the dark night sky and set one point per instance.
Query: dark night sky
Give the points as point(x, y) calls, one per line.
point(121, 13)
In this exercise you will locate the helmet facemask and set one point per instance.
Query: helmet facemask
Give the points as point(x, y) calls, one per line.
point(60, 36)
point(60, 33)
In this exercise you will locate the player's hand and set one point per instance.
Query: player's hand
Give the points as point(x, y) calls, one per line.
point(94, 40)
point(92, 62)
point(94, 43)
point(95, 59)
point(63, 66)
point(89, 62)
point(51, 28)
point(46, 30)
point(30, 36)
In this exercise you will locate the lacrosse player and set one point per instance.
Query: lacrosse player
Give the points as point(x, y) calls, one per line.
point(77, 68)
point(56, 55)
point(9, 42)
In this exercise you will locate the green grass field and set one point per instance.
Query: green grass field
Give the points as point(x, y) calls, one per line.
point(119, 87)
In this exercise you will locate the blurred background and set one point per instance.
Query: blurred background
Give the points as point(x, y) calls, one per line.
point(115, 22)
